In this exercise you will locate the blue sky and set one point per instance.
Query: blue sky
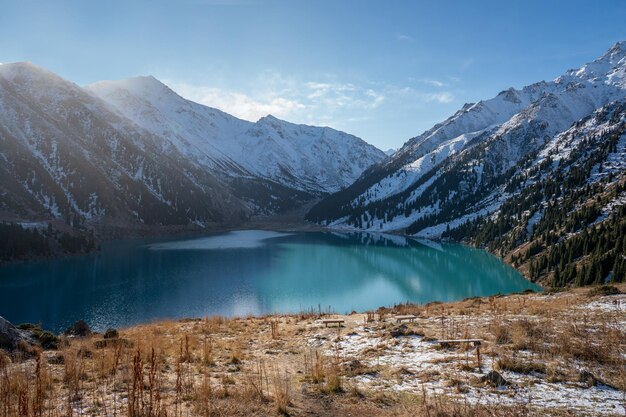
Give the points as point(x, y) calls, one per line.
point(384, 71)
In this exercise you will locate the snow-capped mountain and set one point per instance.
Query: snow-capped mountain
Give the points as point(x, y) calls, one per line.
point(306, 158)
point(148, 157)
point(457, 170)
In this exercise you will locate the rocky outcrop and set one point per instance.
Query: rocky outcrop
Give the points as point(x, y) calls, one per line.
point(10, 336)
point(494, 379)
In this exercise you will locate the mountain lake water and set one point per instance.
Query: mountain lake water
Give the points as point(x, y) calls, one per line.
point(248, 272)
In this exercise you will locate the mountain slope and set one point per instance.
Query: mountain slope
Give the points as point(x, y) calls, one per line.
point(144, 157)
point(565, 219)
point(305, 158)
point(66, 155)
point(469, 167)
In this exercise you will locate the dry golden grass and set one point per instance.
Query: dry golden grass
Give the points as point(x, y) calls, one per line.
point(269, 365)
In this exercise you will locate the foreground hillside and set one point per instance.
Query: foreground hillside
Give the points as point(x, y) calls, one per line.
point(542, 354)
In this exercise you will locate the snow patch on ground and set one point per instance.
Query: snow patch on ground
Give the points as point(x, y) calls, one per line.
point(613, 304)
point(533, 220)
point(418, 365)
point(33, 225)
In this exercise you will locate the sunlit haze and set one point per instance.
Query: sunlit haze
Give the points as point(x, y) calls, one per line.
point(384, 71)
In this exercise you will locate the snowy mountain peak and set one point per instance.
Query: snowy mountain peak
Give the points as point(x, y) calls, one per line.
point(268, 119)
point(307, 158)
point(21, 66)
point(27, 72)
point(613, 55)
point(437, 176)
point(52, 91)
point(147, 83)
point(510, 95)
point(146, 87)
point(617, 50)
point(602, 66)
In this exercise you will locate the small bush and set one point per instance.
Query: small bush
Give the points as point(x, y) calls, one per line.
point(48, 340)
point(506, 363)
point(80, 329)
point(58, 359)
point(29, 326)
point(5, 360)
point(334, 383)
point(603, 290)
point(111, 334)
point(26, 349)
point(502, 334)
point(526, 335)
point(404, 330)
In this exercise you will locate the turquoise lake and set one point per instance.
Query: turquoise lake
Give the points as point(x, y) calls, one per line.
point(246, 273)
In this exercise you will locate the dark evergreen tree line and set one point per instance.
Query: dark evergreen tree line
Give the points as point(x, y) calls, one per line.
point(17, 242)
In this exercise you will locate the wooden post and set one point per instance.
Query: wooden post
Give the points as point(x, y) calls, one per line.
point(443, 334)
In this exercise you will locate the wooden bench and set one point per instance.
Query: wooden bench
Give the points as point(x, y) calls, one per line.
point(339, 322)
point(448, 343)
point(409, 317)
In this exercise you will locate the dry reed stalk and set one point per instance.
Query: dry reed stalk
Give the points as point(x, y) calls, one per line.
point(281, 385)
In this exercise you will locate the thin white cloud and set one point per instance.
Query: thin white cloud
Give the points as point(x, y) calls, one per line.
point(443, 98)
point(317, 89)
point(435, 83)
point(412, 94)
point(377, 98)
point(403, 37)
point(237, 103)
point(324, 101)
point(338, 95)
point(466, 64)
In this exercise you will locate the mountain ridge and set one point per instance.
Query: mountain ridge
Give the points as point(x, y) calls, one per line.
point(275, 150)
point(70, 158)
point(464, 169)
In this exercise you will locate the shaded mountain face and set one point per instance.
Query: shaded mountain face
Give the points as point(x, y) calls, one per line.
point(159, 160)
point(315, 160)
point(461, 168)
point(65, 154)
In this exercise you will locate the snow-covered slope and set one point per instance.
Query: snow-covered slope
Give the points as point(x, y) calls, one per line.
point(305, 158)
point(455, 171)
